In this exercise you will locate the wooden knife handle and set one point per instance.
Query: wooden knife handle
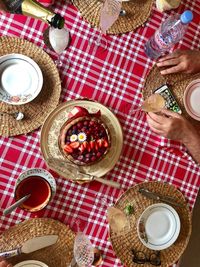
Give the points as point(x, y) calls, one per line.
point(10, 253)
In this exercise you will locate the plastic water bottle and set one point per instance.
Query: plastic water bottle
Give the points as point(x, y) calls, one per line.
point(170, 32)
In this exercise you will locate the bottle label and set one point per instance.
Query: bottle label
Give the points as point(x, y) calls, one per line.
point(14, 6)
point(160, 41)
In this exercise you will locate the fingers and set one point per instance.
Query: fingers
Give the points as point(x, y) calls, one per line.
point(174, 69)
point(174, 60)
point(170, 56)
point(159, 119)
point(169, 62)
point(170, 113)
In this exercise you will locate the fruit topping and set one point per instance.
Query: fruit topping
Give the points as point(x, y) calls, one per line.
point(86, 141)
point(68, 149)
point(82, 148)
point(74, 145)
point(92, 144)
point(105, 143)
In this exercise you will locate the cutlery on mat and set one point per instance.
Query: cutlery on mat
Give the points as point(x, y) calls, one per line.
point(15, 205)
point(142, 231)
point(156, 196)
point(31, 245)
point(16, 115)
point(73, 172)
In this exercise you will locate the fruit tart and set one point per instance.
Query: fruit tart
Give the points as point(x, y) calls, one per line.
point(84, 139)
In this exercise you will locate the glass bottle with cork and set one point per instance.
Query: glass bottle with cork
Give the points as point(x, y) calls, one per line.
point(36, 10)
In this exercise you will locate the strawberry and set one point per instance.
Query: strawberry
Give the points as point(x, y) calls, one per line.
point(96, 146)
point(89, 147)
point(74, 145)
point(100, 142)
point(92, 144)
point(68, 149)
point(105, 143)
point(85, 144)
point(81, 147)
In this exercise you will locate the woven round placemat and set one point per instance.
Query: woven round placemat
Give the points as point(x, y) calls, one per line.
point(122, 244)
point(137, 12)
point(37, 110)
point(177, 83)
point(60, 254)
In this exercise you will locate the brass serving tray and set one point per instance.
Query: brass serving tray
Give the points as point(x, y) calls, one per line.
point(51, 131)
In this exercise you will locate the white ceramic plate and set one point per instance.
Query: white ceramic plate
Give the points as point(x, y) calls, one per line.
point(31, 263)
point(162, 226)
point(21, 79)
point(40, 172)
point(192, 99)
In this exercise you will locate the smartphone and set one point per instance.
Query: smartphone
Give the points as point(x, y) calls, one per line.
point(170, 101)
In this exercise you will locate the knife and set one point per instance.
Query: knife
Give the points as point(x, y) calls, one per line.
point(31, 245)
point(65, 168)
point(156, 196)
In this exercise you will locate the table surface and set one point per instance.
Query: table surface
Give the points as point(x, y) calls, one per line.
point(113, 77)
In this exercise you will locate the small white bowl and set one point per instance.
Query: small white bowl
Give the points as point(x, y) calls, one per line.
point(21, 79)
point(31, 263)
point(192, 99)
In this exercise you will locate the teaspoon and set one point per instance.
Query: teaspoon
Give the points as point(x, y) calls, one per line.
point(16, 115)
point(15, 205)
point(122, 13)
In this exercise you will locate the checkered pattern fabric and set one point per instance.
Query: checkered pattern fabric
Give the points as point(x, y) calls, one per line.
point(113, 77)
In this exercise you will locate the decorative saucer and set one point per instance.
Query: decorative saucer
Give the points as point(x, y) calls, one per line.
point(21, 79)
point(161, 224)
point(192, 99)
point(40, 172)
point(31, 263)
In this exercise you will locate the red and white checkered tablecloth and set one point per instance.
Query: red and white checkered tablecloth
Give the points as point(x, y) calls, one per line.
point(114, 78)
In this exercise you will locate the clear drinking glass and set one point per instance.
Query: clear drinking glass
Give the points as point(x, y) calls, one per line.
point(154, 103)
point(109, 13)
point(57, 40)
point(83, 250)
point(117, 219)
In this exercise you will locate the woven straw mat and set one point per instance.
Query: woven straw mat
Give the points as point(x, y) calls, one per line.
point(138, 11)
point(177, 83)
point(58, 255)
point(37, 110)
point(122, 244)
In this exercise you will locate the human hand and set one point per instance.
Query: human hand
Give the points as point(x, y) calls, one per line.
point(4, 263)
point(186, 61)
point(170, 125)
point(2, 7)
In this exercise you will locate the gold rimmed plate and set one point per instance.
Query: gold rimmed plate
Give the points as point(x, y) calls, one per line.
point(51, 130)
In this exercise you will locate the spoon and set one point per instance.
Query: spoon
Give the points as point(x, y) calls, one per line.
point(15, 205)
point(122, 13)
point(16, 115)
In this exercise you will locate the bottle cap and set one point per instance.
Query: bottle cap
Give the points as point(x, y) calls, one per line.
point(186, 17)
point(57, 21)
